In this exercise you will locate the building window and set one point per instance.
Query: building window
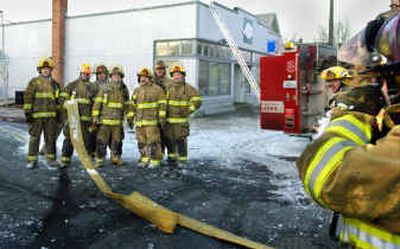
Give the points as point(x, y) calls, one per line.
point(214, 78)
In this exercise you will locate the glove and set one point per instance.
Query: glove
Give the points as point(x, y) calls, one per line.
point(95, 121)
point(366, 99)
point(130, 123)
point(29, 118)
point(162, 124)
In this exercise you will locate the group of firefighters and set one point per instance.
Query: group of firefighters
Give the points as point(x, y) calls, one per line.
point(159, 109)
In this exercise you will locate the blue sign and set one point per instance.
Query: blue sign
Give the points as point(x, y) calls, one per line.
point(271, 47)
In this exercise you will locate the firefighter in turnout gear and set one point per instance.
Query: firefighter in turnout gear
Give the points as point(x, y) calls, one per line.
point(162, 80)
point(160, 75)
point(108, 112)
point(147, 113)
point(100, 83)
point(354, 167)
point(41, 106)
point(337, 78)
point(82, 91)
point(182, 100)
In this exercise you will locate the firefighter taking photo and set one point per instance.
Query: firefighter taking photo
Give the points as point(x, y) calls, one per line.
point(353, 169)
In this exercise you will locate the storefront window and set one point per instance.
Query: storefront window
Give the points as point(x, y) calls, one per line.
point(214, 78)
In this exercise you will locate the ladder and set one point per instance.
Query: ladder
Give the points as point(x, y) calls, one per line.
point(232, 45)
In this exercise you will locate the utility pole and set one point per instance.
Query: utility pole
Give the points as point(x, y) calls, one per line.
point(331, 23)
point(58, 38)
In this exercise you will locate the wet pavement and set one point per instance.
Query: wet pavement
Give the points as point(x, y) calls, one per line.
point(258, 198)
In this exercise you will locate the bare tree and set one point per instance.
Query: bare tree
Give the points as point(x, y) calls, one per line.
point(341, 34)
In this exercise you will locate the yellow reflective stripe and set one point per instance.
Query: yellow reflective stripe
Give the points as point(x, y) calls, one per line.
point(50, 156)
point(351, 128)
point(65, 95)
point(179, 103)
point(145, 159)
point(44, 115)
point(111, 122)
point(44, 95)
point(130, 114)
point(27, 106)
point(134, 97)
point(115, 105)
point(177, 120)
point(32, 158)
point(182, 158)
point(155, 162)
point(83, 100)
point(65, 159)
point(326, 161)
point(195, 98)
point(162, 114)
point(86, 118)
point(57, 94)
point(147, 105)
point(146, 122)
point(163, 101)
point(95, 113)
point(172, 155)
point(364, 235)
point(99, 99)
point(192, 108)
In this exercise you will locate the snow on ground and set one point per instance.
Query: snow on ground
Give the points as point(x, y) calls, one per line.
point(226, 139)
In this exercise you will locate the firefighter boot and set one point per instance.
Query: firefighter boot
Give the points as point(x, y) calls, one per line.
point(31, 164)
point(51, 164)
point(99, 162)
point(116, 160)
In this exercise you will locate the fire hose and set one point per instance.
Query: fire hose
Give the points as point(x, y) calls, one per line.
point(166, 220)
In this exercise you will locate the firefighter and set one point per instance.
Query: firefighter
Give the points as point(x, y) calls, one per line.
point(160, 75)
point(182, 100)
point(41, 106)
point(337, 79)
point(108, 112)
point(346, 170)
point(162, 80)
point(82, 91)
point(147, 113)
point(101, 82)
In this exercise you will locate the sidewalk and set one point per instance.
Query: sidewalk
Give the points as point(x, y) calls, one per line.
point(12, 114)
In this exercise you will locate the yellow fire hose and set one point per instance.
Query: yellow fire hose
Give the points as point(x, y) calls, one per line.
point(165, 219)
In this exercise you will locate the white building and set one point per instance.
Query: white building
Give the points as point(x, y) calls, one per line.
point(182, 32)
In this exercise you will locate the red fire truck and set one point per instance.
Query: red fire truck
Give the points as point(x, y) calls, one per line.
point(292, 94)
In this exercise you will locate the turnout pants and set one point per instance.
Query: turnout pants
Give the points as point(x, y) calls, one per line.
point(176, 141)
point(49, 127)
point(68, 149)
point(109, 135)
point(149, 143)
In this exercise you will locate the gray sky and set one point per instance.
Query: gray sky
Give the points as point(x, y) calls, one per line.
point(297, 18)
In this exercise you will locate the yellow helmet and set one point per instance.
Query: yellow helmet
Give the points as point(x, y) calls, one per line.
point(45, 62)
point(335, 73)
point(144, 72)
point(86, 68)
point(177, 68)
point(117, 69)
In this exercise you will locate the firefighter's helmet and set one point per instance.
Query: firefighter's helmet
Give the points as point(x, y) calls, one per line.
point(146, 72)
point(45, 62)
point(177, 69)
point(101, 69)
point(85, 68)
point(335, 73)
point(117, 69)
point(160, 64)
